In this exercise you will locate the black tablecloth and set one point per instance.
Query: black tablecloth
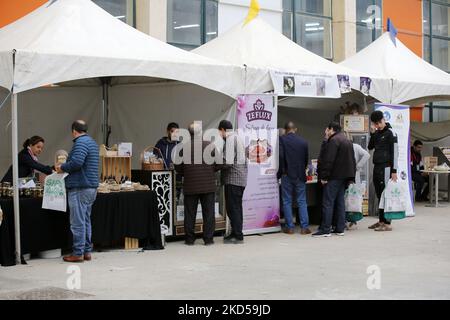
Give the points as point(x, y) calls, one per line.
point(114, 217)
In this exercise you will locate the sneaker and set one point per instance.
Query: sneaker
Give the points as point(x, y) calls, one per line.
point(374, 226)
point(233, 240)
point(321, 234)
point(383, 227)
point(340, 234)
point(209, 242)
point(189, 242)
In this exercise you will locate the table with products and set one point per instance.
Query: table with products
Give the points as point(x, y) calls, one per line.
point(115, 216)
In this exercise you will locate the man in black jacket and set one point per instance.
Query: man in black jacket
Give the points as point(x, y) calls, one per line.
point(385, 160)
point(337, 167)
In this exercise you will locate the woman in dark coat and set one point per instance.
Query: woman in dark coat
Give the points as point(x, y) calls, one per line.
point(28, 162)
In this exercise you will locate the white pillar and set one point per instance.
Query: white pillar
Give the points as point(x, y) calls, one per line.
point(151, 18)
point(344, 29)
point(15, 162)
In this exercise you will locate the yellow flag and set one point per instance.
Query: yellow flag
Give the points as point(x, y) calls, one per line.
point(252, 12)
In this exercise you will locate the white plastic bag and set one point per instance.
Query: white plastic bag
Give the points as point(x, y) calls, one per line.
point(55, 193)
point(354, 198)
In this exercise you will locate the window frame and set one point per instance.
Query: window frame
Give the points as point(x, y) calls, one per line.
point(431, 106)
point(293, 23)
point(362, 24)
point(202, 26)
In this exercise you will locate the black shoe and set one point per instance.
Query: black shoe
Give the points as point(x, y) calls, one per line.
point(189, 242)
point(209, 242)
point(321, 234)
point(337, 233)
point(233, 240)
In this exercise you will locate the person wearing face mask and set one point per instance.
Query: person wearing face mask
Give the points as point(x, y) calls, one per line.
point(166, 144)
point(28, 161)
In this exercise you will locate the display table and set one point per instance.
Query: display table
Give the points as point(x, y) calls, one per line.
point(434, 187)
point(114, 217)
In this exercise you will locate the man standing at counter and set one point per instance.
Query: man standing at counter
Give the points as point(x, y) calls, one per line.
point(167, 144)
point(81, 183)
point(337, 168)
point(234, 178)
point(292, 168)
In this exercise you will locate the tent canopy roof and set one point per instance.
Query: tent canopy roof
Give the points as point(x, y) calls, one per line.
point(258, 45)
point(414, 80)
point(66, 40)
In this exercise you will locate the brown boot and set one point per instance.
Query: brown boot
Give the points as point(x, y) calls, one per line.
point(87, 257)
point(289, 231)
point(374, 226)
point(305, 231)
point(73, 259)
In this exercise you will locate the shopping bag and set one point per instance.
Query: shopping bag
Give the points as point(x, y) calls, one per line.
point(55, 192)
point(393, 200)
point(354, 202)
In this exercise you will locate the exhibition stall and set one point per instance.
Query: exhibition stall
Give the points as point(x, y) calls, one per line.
point(66, 49)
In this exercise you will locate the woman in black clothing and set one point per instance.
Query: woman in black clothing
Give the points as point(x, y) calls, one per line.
point(28, 162)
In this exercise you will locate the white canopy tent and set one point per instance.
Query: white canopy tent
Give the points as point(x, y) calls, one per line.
point(262, 49)
point(67, 40)
point(413, 80)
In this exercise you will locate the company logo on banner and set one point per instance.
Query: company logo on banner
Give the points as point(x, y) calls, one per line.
point(398, 118)
point(305, 85)
point(259, 113)
point(257, 127)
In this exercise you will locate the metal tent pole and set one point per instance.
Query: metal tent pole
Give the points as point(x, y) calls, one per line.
point(15, 162)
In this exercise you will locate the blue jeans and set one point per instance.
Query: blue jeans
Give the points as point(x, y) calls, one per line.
point(288, 185)
point(80, 206)
point(333, 203)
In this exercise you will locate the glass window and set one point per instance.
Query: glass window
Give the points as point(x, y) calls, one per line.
point(314, 34)
point(440, 15)
point(440, 54)
point(318, 7)
point(436, 48)
point(121, 9)
point(308, 23)
point(369, 22)
point(426, 17)
point(191, 23)
point(426, 48)
point(211, 20)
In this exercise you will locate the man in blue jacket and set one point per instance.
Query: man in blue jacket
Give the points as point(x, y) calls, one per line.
point(81, 183)
point(292, 168)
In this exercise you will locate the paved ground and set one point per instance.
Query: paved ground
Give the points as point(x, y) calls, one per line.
point(413, 260)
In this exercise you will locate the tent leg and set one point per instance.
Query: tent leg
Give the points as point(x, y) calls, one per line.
point(15, 162)
point(105, 112)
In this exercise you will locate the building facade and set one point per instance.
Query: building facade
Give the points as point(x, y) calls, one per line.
point(333, 29)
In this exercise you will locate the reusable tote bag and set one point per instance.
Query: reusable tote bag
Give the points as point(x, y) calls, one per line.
point(354, 203)
point(55, 192)
point(393, 201)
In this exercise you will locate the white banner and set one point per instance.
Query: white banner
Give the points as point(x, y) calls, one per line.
point(305, 85)
point(398, 117)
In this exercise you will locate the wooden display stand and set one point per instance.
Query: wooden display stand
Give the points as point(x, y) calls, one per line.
point(115, 166)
